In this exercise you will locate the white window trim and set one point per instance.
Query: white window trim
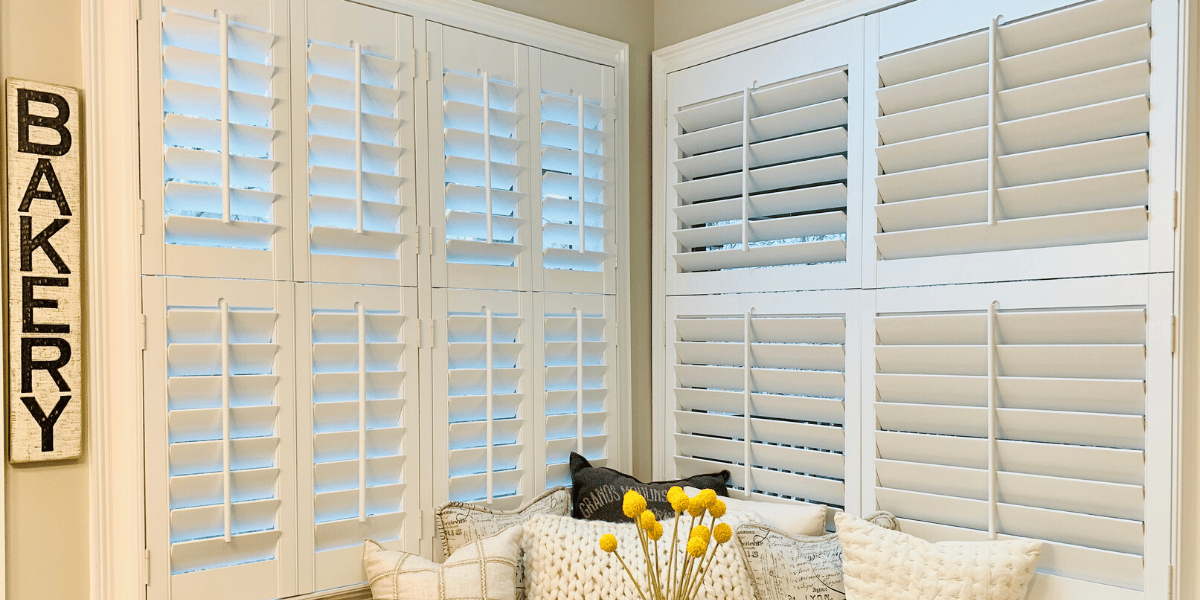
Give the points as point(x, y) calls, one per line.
point(802, 17)
point(115, 334)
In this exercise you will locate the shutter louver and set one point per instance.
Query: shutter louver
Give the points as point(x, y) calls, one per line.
point(579, 356)
point(223, 458)
point(1034, 134)
point(577, 182)
point(223, 105)
point(764, 177)
point(361, 189)
point(362, 423)
point(761, 391)
point(484, 428)
point(1051, 403)
point(484, 139)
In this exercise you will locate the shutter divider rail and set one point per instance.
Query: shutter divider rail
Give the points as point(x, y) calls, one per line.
point(223, 25)
point(746, 178)
point(362, 410)
point(226, 450)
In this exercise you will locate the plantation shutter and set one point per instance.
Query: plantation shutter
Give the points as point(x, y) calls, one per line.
point(761, 174)
point(480, 205)
point(578, 233)
point(578, 352)
point(1033, 134)
point(483, 431)
point(361, 217)
point(760, 386)
point(220, 480)
point(1017, 411)
point(360, 411)
point(217, 204)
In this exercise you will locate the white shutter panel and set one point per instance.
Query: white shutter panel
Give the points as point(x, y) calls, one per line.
point(361, 217)
point(483, 429)
point(1035, 134)
point(761, 384)
point(579, 377)
point(217, 180)
point(220, 478)
point(480, 203)
point(1048, 396)
point(361, 415)
point(578, 187)
point(761, 177)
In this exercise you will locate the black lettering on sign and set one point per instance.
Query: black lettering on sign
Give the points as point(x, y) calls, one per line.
point(44, 171)
point(25, 120)
point(28, 365)
point(46, 422)
point(28, 303)
point(30, 242)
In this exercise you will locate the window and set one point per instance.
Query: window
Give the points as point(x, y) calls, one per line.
point(362, 297)
point(977, 336)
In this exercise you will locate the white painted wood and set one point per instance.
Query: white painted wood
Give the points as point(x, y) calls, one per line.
point(45, 279)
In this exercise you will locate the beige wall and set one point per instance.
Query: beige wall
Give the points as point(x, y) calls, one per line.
point(629, 21)
point(679, 20)
point(45, 506)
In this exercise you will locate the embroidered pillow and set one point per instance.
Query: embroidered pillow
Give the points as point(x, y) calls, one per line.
point(458, 523)
point(483, 570)
point(890, 565)
point(597, 492)
point(563, 560)
point(796, 518)
point(785, 566)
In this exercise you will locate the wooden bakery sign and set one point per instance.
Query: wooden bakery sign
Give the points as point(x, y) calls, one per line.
point(45, 289)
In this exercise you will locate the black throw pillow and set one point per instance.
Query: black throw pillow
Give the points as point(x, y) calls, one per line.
point(598, 493)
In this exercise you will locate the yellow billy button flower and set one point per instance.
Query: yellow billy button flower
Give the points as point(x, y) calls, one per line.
point(655, 532)
point(679, 501)
point(701, 532)
point(695, 508)
point(608, 543)
point(696, 547)
point(722, 532)
point(705, 498)
point(633, 505)
point(717, 510)
point(647, 520)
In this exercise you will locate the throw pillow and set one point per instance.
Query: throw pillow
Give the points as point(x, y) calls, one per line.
point(563, 560)
point(785, 566)
point(597, 492)
point(484, 570)
point(458, 523)
point(796, 518)
point(881, 564)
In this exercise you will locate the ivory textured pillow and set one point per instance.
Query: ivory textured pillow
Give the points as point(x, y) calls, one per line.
point(796, 518)
point(458, 523)
point(563, 560)
point(784, 566)
point(890, 565)
point(484, 570)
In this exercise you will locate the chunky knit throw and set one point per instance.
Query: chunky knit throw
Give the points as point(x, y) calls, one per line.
point(563, 560)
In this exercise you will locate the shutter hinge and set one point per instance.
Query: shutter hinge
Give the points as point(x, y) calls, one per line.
point(142, 334)
point(419, 240)
point(146, 568)
point(1170, 582)
point(141, 216)
point(414, 63)
point(422, 536)
point(1175, 213)
point(431, 246)
point(137, 11)
point(1173, 334)
point(426, 64)
point(432, 333)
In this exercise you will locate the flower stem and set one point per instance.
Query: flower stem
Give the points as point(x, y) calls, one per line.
point(630, 574)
